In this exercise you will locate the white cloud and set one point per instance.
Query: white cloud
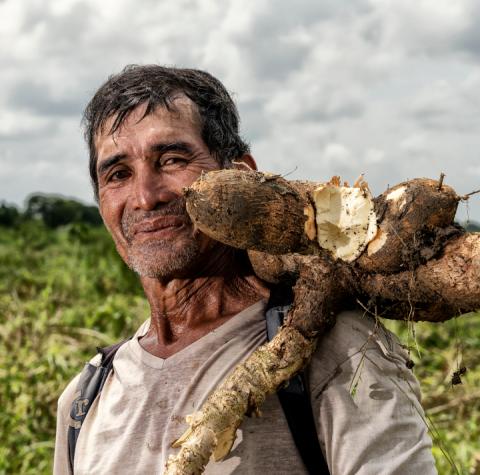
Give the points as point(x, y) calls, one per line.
point(415, 144)
point(374, 156)
point(337, 154)
point(331, 87)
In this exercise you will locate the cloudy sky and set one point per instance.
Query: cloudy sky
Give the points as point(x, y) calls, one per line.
point(389, 88)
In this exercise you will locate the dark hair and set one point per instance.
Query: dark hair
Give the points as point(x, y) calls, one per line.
point(156, 86)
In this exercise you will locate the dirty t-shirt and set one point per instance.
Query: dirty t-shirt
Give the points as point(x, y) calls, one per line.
point(365, 401)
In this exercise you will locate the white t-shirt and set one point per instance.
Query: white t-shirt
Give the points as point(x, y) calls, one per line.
point(365, 401)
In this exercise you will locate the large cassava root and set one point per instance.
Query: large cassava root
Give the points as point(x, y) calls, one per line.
point(219, 201)
point(212, 429)
point(446, 286)
point(412, 219)
point(265, 212)
point(400, 229)
point(403, 257)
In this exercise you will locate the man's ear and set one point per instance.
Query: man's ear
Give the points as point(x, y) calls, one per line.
point(246, 161)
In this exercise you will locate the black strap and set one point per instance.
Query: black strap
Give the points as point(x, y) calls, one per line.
point(295, 398)
point(89, 386)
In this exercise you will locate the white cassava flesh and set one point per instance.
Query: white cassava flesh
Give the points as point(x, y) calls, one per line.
point(345, 219)
point(377, 242)
point(396, 195)
point(213, 428)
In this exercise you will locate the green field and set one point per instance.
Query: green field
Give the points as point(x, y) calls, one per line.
point(64, 291)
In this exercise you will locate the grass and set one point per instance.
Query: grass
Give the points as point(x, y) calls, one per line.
point(62, 293)
point(453, 411)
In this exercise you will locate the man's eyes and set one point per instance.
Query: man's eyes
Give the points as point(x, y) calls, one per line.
point(170, 162)
point(119, 175)
point(164, 163)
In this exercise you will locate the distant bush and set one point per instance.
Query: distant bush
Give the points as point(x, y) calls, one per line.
point(57, 211)
point(9, 215)
point(52, 210)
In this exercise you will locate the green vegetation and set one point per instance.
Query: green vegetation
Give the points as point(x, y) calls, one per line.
point(64, 291)
point(452, 411)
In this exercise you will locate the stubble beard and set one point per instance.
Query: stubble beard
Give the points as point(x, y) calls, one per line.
point(161, 259)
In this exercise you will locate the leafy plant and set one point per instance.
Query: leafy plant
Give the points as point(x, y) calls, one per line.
point(62, 293)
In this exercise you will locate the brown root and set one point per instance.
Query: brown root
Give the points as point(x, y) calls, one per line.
point(252, 210)
point(273, 268)
point(319, 293)
point(412, 219)
point(264, 212)
point(212, 428)
point(438, 290)
point(444, 287)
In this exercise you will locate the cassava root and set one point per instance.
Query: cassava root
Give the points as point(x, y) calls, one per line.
point(412, 216)
point(412, 262)
point(442, 288)
point(212, 429)
point(226, 205)
point(445, 286)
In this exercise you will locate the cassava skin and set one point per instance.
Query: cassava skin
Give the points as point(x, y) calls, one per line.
point(251, 210)
point(442, 288)
point(409, 216)
point(274, 268)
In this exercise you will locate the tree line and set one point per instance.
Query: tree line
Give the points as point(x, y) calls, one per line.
point(53, 210)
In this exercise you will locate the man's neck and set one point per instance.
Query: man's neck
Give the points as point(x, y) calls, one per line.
point(184, 310)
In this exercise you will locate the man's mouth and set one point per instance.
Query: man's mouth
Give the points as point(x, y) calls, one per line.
point(158, 227)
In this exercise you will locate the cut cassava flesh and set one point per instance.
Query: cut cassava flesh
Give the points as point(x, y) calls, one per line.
point(345, 219)
point(414, 263)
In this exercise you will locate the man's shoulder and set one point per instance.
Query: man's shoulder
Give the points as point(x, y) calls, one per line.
point(70, 392)
point(355, 329)
point(355, 335)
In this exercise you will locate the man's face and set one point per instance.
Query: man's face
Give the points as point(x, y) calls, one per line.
point(142, 169)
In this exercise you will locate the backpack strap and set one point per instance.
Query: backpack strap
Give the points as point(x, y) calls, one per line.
point(89, 386)
point(295, 397)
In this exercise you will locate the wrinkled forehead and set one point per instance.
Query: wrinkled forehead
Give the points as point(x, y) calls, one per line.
point(181, 109)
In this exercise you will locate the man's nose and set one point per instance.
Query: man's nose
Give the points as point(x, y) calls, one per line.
point(150, 191)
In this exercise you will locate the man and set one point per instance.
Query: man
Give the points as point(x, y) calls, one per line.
point(151, 132)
